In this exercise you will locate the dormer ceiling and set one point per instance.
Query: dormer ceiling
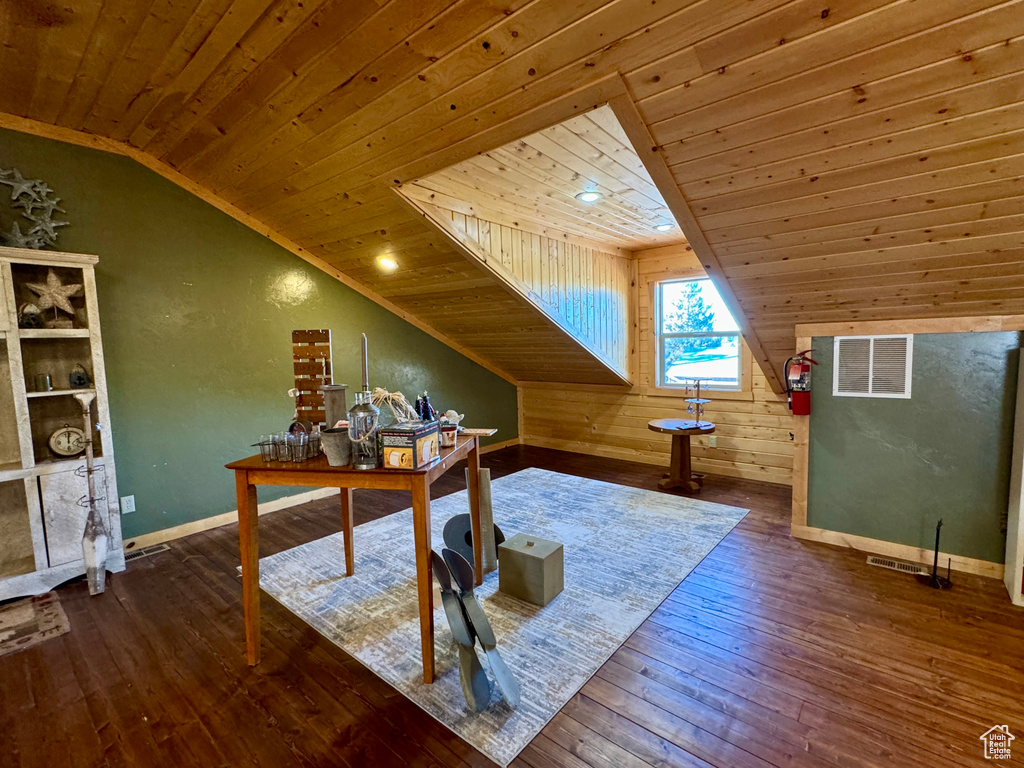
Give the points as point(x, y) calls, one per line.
point(861, 160)
point(539, 178)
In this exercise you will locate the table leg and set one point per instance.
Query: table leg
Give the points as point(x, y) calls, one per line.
point(679, 475)
point(248, 544)
point(424, 573)
point(474, 511)
point(346, 526)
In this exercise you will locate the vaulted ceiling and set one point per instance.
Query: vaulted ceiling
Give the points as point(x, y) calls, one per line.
point(851, 159)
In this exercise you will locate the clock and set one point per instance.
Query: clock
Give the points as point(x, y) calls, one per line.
point(67, 441)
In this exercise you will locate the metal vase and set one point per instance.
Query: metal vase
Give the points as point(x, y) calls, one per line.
point(337, 446)
point(335, 407)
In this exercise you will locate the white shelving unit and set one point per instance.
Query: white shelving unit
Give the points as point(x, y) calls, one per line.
point(1014, 565)
point(41, 517)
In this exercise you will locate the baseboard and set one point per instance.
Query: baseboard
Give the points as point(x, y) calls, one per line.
point(774, 475)
point(901, 551)
point(498, 446)
point(209, 523)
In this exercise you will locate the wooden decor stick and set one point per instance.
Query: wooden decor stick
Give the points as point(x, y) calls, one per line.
point(489, 555)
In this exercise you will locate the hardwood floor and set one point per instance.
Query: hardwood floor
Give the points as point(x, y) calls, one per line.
point(773, 652)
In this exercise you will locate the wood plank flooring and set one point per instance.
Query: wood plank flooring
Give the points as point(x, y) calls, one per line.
point(773, 652)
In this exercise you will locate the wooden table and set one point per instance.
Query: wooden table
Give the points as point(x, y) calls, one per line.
point(679, 472)
point(318, 473)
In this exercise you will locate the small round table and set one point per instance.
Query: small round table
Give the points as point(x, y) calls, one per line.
point(679, 474)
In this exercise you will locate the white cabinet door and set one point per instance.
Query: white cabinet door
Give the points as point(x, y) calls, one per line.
point(63, 515)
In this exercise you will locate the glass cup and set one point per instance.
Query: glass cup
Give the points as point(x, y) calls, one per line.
point(298, 446)
point(280, 446)
point(266, 448)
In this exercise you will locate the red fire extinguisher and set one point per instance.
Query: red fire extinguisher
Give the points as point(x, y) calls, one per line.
point(798, 382)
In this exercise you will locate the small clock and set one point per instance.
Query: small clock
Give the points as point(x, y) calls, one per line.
point(67, 441)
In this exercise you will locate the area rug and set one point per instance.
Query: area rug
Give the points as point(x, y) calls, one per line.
point(30, 621)
point(625, 550)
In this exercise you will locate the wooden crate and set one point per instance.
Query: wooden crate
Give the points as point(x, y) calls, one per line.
point(311, 358)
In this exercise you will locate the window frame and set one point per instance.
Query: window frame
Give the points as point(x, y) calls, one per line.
point(743, 373)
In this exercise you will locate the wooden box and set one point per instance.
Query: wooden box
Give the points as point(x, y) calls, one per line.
point(410, 445)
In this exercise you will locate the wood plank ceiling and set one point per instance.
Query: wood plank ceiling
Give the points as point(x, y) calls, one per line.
point(538, 177)
point(844, 159)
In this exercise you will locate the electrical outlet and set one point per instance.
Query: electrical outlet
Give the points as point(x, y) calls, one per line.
point(713, 441)
point(127, 504)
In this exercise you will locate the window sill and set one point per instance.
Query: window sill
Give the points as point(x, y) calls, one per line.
point(710, 394)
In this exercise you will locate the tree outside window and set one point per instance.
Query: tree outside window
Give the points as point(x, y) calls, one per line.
point(697, 337)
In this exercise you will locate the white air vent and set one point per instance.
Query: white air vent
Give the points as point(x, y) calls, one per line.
point(146, 552)
point(897, 565)
point(872, 366)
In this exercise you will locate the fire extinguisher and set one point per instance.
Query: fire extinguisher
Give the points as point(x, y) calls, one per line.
point(798, 382)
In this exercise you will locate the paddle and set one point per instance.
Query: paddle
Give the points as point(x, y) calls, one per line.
point(475, 685)
point(464, 577)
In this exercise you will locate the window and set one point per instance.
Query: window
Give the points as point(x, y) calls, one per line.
point(872, 366)
point(697, 338)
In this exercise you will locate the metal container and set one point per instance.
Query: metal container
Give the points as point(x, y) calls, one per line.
point(337, 446)
point(335, 405)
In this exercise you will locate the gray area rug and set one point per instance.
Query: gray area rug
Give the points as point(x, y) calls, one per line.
point(28, 622)
point(625, 549)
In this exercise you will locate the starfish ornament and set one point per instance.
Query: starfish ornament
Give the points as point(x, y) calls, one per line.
point(54, 294)
point(41, 189)
point(50, 206)
point(34, 199)
point(17, 239)
point(44, 226)
point(19, 185)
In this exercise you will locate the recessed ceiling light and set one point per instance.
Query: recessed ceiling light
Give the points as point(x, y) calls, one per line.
point(589, 197)
point(387, 263)
point(663, 227)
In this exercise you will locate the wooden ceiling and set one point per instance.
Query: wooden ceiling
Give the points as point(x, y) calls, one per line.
point(537, 178)
point(851, 159)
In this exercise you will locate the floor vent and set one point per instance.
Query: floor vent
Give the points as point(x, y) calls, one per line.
point(156, 549)
point(897, 565)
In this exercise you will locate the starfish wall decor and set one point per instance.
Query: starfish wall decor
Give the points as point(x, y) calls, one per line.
point(33, 198)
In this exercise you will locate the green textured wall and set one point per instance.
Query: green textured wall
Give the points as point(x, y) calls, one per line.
point(889, 469)
point(197, 312)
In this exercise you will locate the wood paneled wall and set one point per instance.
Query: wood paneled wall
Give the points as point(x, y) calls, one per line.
point(754, 429)
point(587, 289)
